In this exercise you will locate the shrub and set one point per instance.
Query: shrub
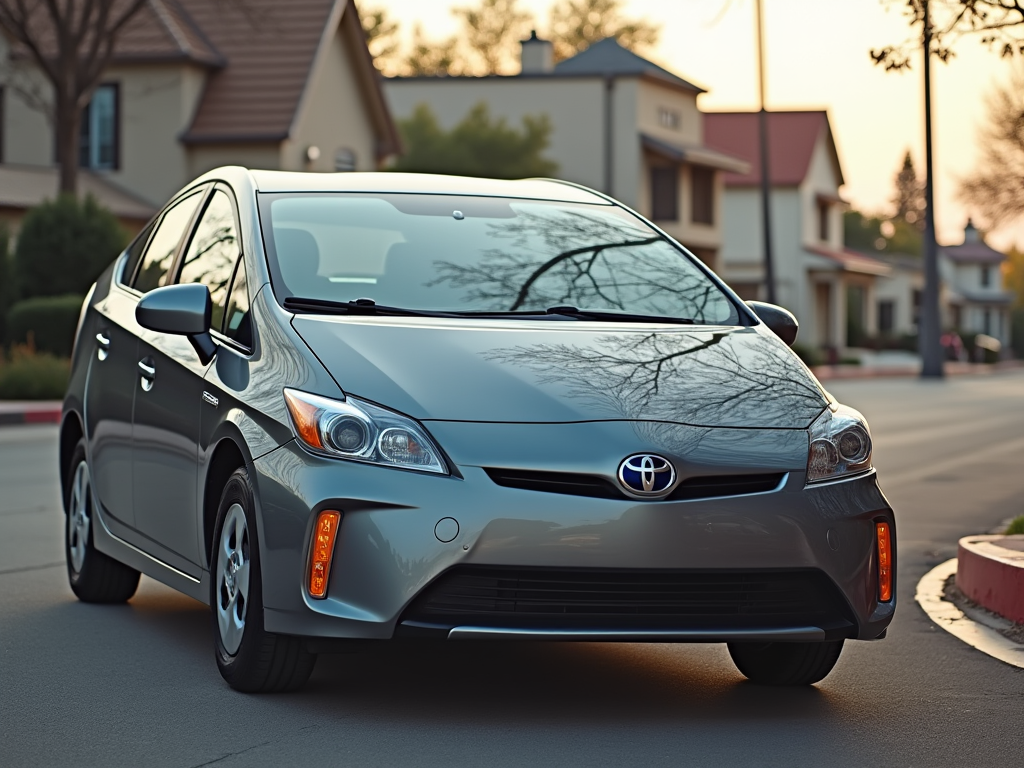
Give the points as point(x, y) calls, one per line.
point(63, 246)
point(30, 375)
point(47, 323)
point(6, 279)
point(1016, 526)
point(809, 355)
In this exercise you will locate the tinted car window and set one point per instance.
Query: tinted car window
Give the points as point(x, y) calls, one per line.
point(452, 253)
point(237, 324)
point(212, 253)
point(164, 244)
point(135, 253)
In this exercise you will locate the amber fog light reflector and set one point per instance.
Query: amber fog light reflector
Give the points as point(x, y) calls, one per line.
point(884, 562)
point(320, 555)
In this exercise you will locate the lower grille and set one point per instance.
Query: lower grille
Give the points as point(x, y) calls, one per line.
point(537, 597)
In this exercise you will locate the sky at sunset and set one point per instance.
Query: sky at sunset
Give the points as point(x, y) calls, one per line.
point(817, 57)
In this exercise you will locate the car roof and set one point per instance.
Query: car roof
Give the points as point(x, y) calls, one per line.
point(423, 183)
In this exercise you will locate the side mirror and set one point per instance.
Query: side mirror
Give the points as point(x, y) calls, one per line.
point(779, 320)
point(183, 310)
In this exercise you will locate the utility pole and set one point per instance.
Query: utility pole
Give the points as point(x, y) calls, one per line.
point(766, 186)
point(929, 327)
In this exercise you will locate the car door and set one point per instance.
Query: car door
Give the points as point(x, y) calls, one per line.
point(169, 396)
point(110, 388)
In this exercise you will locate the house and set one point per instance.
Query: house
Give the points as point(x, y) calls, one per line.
point(976, 301)
point(196, 84)
point(828, 287)
point(620, 124)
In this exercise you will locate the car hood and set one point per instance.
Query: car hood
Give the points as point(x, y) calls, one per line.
point(566, 371)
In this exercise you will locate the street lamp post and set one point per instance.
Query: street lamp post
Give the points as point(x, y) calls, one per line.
point(929, 343)
point(766, 187)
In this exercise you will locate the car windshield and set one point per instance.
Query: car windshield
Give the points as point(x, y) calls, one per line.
point(446, 253)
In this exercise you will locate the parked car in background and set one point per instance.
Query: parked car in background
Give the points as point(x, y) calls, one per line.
point(346, 407)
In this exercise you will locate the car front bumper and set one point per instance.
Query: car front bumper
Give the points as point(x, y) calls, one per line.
point(389, 550)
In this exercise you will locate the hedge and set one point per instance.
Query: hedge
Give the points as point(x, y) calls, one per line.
point(33, 376)
point(46, 324)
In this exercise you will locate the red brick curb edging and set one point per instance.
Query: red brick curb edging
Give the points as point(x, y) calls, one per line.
point(43, 412)
point(990, 571)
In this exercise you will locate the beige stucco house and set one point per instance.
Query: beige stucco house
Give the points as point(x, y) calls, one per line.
point(620, 124)
point(197, 84)
point(817, 278)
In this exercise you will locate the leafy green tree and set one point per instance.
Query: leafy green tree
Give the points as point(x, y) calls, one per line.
point(63, 246)
point(477, 146)
point(492, 31)
point(575, 25)
point(880, 234)
point(909, 198)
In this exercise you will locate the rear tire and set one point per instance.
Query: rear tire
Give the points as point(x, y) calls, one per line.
point(785, 663)
point(94, 577)
point(249, 658)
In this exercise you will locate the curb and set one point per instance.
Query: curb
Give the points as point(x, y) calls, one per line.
point(970, 629)
point(18, 413)
point(991, 573)
point(837, 372)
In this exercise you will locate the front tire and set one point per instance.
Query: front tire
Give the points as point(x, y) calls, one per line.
point(249, 658)
point(94, 577)
point(785, 663)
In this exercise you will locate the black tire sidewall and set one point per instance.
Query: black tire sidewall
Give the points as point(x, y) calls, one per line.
point(238, 489)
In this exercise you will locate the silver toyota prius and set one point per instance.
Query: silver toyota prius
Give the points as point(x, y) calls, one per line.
point(341, 408)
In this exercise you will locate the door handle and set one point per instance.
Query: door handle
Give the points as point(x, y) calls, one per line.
point(148, 372)
point(102, 346)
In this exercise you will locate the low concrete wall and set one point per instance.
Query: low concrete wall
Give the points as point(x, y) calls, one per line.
point(990, 571)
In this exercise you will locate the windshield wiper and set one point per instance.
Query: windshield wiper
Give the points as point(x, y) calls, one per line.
point(357, 307)
point(582, 314)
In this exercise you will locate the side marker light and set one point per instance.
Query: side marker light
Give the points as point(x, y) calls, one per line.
point(324, 534)
point(884, 562)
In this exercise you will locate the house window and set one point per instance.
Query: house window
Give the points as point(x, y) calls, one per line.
point(3, 104)
point(886, 315)
point(344, 160)
point(703, 183)
point(917, 297)
point(824, 209)
point(669, 118)
point(986, 277)
point(986, 322)
point(99, 134)
point(665, 194)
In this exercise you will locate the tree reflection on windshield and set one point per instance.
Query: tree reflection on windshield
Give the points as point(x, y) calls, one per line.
point(569, 256)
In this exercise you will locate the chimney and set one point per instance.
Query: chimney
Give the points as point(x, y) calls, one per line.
point(538, 56)
point(970, 233)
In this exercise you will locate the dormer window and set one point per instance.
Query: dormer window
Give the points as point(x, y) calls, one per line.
point(986, 276)
point(824, 209)
point(669, 118)
point(98, 136)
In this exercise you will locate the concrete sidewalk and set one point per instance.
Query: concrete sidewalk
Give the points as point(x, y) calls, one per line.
point(834, 372)
point(29, 412)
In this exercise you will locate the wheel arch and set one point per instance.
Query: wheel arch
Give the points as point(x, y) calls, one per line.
point(71, 431)
point(228, 454)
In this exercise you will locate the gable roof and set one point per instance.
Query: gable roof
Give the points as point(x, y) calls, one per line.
point(977, 252)
point(607, 57)
point(791, 140)
point(163, 31)
point(26, 186)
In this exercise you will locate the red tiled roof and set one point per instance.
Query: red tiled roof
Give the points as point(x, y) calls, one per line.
point(791, 140)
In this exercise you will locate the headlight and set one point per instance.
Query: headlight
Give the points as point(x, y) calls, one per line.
point(840, 444)
point(356, 430)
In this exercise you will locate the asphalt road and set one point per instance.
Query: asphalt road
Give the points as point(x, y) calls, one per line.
point(136, 685)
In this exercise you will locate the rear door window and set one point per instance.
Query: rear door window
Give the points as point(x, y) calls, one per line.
point(212, 253)
point(163, 246)
point(134, 254)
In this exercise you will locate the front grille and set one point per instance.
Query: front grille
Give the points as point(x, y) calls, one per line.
point(579, 484)
point(571, 597)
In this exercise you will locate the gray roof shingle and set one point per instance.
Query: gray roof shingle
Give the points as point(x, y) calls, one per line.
point(607, 57)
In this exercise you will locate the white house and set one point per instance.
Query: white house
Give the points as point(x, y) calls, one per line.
point(828, 287)
point(620, 124)
point(976, 299)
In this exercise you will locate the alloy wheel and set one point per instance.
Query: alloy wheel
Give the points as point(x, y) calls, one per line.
point(79, 517)
point(233, 557)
